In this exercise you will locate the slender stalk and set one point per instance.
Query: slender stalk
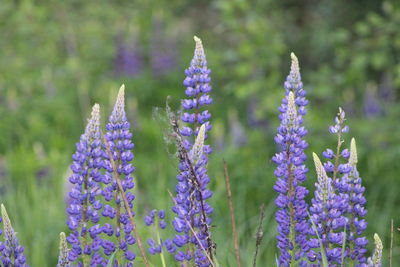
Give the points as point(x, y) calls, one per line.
point(126, 203)
point(234, 231)
point(391, 244)
point(259, 235)
point(183, 156)
point(194, 234)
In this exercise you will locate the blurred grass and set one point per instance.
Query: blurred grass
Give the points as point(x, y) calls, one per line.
point(59, 58)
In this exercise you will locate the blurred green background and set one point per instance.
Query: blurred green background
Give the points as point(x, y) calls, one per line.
point(58, 58)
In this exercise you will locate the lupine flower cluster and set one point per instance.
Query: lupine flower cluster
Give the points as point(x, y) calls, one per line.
point(192, 223)
point(101, 223)
point(330, 231)
point(291, 172)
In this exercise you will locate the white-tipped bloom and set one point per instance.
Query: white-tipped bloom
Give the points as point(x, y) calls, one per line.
point(199, 45)
point(63, 254)
point(93, 126)
point(376, 259)
point(118, 113)
point(197, 150)
point(294, 68)
point(321, 173)
point(8, 230)
point(353, 159)
point(324, 182)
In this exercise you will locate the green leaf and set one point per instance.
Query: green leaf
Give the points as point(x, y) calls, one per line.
point(111, 260)
point(323, 254)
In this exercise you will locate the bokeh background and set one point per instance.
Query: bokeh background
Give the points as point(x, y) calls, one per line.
point(58, 58)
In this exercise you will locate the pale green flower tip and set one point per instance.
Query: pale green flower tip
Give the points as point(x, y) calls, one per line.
point(197, 150)
point(4, 212)
point(322, 176)
point(121, 94)
point(199, 45)
point(62, 236)
point(119, 107)
point(95, 112)
point(291, 110)
point(353, 159)
point(294, 57)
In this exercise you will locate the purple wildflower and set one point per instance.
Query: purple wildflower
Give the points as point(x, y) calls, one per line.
point(118, 136)
point(347, 185)
point(191, 192)
point(84, 207)
point(291, 172)
point(11, 252)
point(327, 217)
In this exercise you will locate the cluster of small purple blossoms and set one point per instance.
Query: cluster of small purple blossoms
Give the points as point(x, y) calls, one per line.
point(156, 218)
point(327, 218)
point(291, 172)
point(93, 179)
point(118, 137)
point(350, 185)
point(84, 207)
point(347, 185)
point(11, 252)
point(191, 195)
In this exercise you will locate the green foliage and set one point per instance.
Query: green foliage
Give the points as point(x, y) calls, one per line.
point(57, 60)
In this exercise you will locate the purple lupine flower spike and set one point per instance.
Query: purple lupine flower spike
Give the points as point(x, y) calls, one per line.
point(191, 207)
point(84, 206)
point(356, 209)
point(327, 217)
point(291, 172)
point(119, 137)
point(11, 252)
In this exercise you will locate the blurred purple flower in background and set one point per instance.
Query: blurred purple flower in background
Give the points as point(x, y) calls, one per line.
point(163, 51)
point(128, 60)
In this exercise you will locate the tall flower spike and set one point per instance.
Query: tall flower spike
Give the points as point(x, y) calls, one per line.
point(119, 137)
point(327, 217)
point(11, 252)
point(376, 259)
point(63, 252)
point(291, 172)
point(192, 210)
point(84, 205)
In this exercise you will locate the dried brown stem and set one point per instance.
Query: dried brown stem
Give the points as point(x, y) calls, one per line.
point(259, 234)
point(183, 156)
point(126, 203)
point(234, 231)
point(194, 233)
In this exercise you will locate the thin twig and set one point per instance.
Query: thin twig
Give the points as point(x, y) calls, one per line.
point(391, 243)
point(126, 203)
point(259, 234)
point(183, 156)
point(193, 232)
point(229, 196)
